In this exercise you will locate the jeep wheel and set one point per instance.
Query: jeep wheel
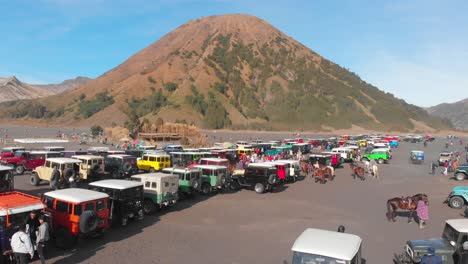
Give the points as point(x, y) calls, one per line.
point(34, 179)
point(235, 185)
point(259, 188)
point(272, 179)
point(380, 161)
point(151, 170)
point(206, 188)
point(456, 202)
point(64, 239)
point(19, 170)
point(149, 207)
point(459, 176)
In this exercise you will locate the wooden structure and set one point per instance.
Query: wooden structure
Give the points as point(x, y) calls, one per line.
point(164, 137)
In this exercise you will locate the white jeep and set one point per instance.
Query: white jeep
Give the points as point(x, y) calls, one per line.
point(323, 246)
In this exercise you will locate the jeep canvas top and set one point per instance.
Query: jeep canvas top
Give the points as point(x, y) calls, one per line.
point(87, 157)
point(116, 184)
point(13, 149)
point(318, 243)
point(76, 195)
point(54, 148)
point(16, 202)
point(64, 160)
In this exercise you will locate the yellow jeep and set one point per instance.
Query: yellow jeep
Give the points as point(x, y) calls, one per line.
point(154, 162)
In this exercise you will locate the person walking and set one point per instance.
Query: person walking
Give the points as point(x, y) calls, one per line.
point(22, 246)
point(422, 211)
point(32, 225)
point(54, 179)
point(433, 167)
point(42, 238)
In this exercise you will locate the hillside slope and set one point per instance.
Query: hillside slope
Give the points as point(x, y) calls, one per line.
point(63, 86)
point(13, 89)
point(456, 112)
point(233, 71)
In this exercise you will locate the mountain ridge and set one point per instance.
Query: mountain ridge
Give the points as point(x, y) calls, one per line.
point(233, 71)
point(456, 112)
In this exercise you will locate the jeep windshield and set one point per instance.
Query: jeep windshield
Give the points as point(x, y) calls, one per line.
point(131, 193)
point(450, 234)
point(305, 258)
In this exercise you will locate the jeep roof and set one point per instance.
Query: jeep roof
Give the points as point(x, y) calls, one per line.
point(461, 225)
point(325, 155)
point(155, 175)
point(76, 195)
point(98, 149)
point(261, 165)
point(328, 243)
point(156, 155)
point(214, 159)
point(87, 157)
point(116, 184)
point(12, 149)
point(288, 161)
point(16, 202)
point(210, 167)
point(179, 170)
point(44, 152)
point(120, 156)
point(446, 153)
point(5, 168)
point(63, 160)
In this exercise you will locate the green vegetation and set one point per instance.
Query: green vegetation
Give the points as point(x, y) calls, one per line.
point(170, 86)
point(150, 104)
point(197, 101)
point(96, 130)
point(90, 107)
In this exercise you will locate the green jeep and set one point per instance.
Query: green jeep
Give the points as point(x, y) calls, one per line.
point(378, 155)
point(450, 247)
point(189, 180)
point(461, 173)
point(213, 178)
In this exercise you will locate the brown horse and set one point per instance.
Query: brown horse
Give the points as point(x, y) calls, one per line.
point(322, 174)
point(408, 204)
point(357, 171)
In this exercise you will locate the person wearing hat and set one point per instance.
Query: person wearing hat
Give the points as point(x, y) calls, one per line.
point(431, 258)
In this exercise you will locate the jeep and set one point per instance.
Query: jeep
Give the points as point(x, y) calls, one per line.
point(70, 153)
point(76, 212)
point(14, 210)
point(91, 167)
point(7, 182)
point(25, 160)
point(160, 190)
point(189, 180)
point(120, 166)
point(125, 199)
point(448, 247)
point(213, 178)
point(154, 162)
point(262, 177)
point(380, 155)
point(9, 152)
point(458, 197)
point(67, 168)
point(445, 156)
point(323, 246)
point(461, 173)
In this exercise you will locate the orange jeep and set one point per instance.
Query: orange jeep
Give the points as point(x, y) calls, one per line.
point(76, 212)
point(14, 210)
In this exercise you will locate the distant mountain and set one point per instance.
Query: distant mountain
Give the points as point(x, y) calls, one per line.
point(457, 113)
point(63, 86)
point(229, 71)
point(12, 89)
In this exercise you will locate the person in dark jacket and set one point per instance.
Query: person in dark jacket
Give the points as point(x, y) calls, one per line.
point(32, 225)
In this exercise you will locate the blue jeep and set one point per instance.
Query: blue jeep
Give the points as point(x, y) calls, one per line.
point(458, 197)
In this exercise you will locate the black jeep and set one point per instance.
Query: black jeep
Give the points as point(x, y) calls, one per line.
point(261, 177)
point(125, 199)
point(120, 166)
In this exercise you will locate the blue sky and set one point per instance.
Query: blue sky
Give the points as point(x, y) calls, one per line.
point(417, 50)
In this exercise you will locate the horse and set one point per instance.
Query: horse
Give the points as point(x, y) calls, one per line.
point(357, 171)
point(409, 204)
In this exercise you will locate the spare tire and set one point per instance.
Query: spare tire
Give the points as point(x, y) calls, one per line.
point(95, 168)
point(67, 173)
point(272, 179)
point(194, 183)
point(88, 222)
point(127, 167)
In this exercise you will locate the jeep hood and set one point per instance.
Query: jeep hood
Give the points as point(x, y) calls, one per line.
point(460, 189)
point(439, 244)
point(463, 167)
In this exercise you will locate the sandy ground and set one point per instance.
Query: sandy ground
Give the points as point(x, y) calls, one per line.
point(244, 227)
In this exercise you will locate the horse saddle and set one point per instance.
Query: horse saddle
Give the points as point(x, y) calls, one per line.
point(406, 200)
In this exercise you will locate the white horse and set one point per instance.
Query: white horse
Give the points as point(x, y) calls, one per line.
point(367, 165)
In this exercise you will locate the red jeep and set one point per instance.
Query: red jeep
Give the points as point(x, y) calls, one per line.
point(76, 212)
point(25, 160)
point(9, 152)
